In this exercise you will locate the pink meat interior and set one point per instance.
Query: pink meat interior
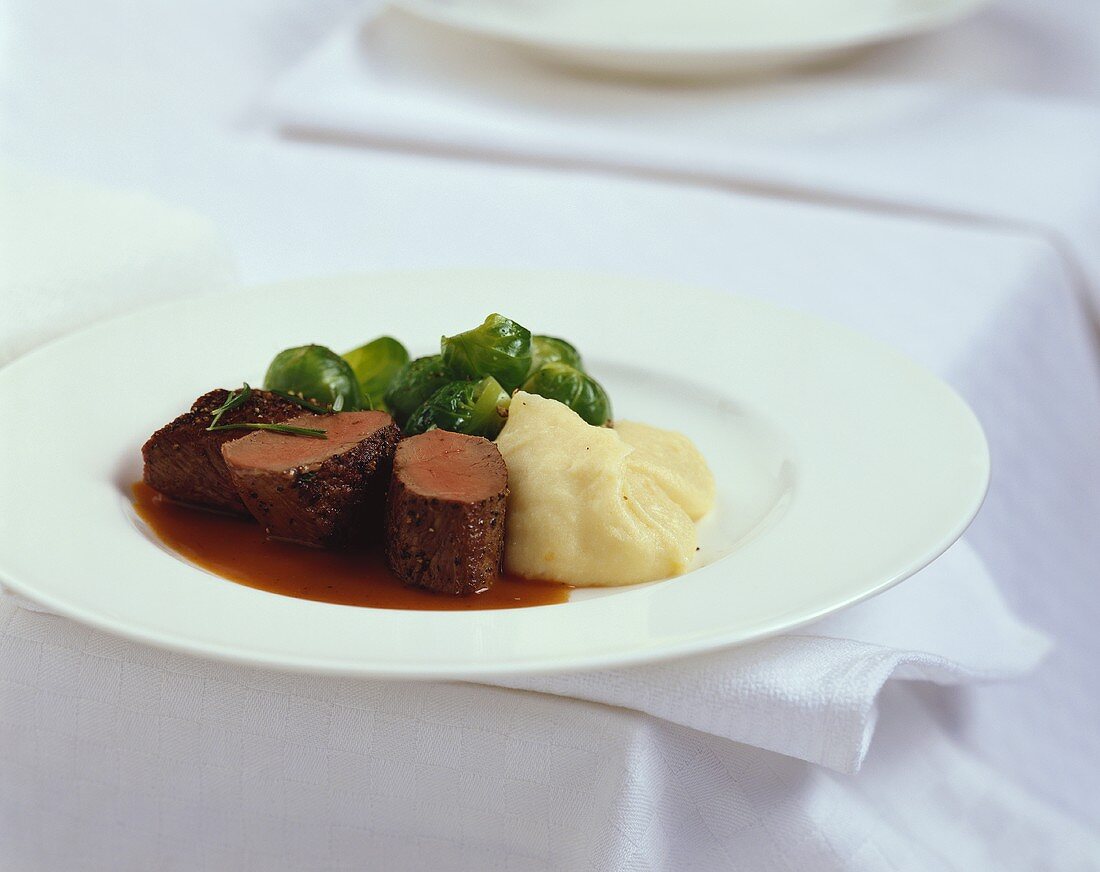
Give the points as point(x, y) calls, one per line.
point(451, 466)
point(265, 450)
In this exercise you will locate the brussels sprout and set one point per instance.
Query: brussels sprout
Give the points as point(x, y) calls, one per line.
point(413, 384)
point(375, 364)
point(550, 349)
point(315, 373)
point(498, 347)
point(578, 390)
point(475, 408)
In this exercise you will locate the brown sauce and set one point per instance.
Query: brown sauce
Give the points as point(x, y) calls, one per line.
point(237, 549)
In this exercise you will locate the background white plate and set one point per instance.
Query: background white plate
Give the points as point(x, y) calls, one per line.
point(842, 469)
point(690, 37)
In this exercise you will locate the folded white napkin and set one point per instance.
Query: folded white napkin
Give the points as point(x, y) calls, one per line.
point(810, 695)
point(117, 756)
point(71, 252)
point(905, 144)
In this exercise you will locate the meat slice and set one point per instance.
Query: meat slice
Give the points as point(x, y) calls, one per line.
point(316, 491)
point(445, 512)
point(183, 460)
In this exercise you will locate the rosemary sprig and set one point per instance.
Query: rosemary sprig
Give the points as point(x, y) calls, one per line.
point(275, 428)
point(304, 403)
point(237, 398)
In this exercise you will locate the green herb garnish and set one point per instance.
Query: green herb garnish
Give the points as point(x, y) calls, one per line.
point(275, 428)
point(236, 398)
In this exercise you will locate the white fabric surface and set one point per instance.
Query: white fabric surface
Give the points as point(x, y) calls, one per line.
point(900, 142)
point(179, 763)
point(71, 252)
point(812, 694)
point(114, 756)
point(801, 695)
point(127, 758)
point(1042, 49)
point(1037, 371)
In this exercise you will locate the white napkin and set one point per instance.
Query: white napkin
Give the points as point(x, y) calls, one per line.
point(809, 695)
point(908, 144)
point(812, 694)
point(117, 756)
point(71, 252)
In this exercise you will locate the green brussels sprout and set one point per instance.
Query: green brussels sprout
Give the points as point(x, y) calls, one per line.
point(578, 390)
point(550, 349)
point(413, 384)
point(498, 347)
point(475, 408)
point(375, 364)
point(317, 374)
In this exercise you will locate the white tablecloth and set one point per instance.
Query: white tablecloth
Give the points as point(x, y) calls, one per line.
point(180, 734)
point(904, 139)
point(118, 758)
point(115, 756)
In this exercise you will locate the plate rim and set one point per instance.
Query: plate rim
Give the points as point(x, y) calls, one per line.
point(748, 51)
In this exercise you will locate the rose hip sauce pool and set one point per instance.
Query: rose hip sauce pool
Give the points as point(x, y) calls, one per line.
point(236, 548)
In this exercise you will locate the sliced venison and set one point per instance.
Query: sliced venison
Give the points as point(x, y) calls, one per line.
point(183, 460)
point(445, 512)
point(318, 492)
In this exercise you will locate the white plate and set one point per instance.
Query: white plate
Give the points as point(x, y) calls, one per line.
point(842, 469)
point(690, 37)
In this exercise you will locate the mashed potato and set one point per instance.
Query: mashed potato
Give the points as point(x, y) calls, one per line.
point(674, 463)
point(593, 506)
